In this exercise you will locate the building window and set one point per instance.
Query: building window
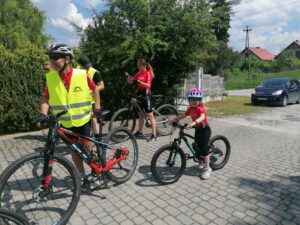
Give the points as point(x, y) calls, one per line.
point(298, 54)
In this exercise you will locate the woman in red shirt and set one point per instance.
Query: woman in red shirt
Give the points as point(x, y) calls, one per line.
point(202, 132)
point(143, 80)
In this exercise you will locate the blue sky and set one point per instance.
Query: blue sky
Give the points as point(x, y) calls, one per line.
point(274, 23)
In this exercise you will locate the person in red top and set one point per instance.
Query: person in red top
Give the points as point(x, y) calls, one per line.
point(202, 130)
point(60, 56)
point(143, 80)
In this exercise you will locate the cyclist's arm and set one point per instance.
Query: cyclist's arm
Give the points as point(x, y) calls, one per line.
point(180, 117)
point(44, 107)
point(98, 81)
point(148, 82)
point(95, 92)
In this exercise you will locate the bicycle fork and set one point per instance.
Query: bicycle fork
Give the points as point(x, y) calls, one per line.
point(172, 156)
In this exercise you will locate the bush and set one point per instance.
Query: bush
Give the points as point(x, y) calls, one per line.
point(21, 85)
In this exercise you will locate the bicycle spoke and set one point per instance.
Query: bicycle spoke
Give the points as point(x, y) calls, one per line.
point(22, 192)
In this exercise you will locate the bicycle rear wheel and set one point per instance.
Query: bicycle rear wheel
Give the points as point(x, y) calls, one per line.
point(123, 118)
point(9, 217)
point(163, 115)
point(20, 189)
point(116, 150)
point(219, 151)
point(168, 164)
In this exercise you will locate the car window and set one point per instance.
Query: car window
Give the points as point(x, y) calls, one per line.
point(272, 83)
point(294, 84)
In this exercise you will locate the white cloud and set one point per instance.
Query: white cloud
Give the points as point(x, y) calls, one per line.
point(272, 22)
point(93, 3)
point(58, 14)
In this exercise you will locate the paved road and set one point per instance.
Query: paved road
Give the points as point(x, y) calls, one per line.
point(259, 185)
point(243, 92)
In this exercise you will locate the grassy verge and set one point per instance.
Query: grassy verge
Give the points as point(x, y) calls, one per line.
point(233, 105)
point(243, 82)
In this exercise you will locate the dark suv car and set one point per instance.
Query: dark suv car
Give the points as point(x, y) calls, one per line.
point(279, 91)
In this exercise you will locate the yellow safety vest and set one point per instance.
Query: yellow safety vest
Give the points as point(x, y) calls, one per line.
point(77, 100)
point(91, 71)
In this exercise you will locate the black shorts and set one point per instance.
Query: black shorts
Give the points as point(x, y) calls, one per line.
point(83, 130)
point(145, 101)
point(202, 136)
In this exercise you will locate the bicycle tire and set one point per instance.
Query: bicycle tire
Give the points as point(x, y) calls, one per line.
point(166, 112)
point(123, 170)
point(159, 164)
point(216, 152)
point(124, 117)
point(9, 217)
point(19, 189)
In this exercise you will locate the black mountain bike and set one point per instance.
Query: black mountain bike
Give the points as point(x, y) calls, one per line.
point(126, 117)
point(9, 217)
point(45, 188)
point(169, 162)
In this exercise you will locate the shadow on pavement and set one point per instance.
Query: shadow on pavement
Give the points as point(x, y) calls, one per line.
point(149, 180)
point(280, 196)
point(32, 137)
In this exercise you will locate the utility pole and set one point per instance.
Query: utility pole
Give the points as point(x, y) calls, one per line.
point(247, 55)
point(247, 30)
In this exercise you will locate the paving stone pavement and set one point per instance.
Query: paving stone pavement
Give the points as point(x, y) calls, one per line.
point(259, 185)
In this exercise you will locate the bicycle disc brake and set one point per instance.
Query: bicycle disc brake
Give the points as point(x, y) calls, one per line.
point(41, 194)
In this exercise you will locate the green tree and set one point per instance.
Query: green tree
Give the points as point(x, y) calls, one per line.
point(221, 11)
point(224, 62)
point(174, 37)
point(20, 24)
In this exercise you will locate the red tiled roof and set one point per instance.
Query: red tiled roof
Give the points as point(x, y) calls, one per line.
point(297, 42)
point(261, 53)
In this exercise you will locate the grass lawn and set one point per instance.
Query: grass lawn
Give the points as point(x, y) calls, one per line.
point(242, 82)
point(233, 105)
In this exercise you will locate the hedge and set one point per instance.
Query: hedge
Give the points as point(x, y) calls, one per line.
point(21, 87)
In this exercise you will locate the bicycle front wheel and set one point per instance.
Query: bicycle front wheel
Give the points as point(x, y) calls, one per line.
point(123, 118)
point(219, 151)
point(168, 164)
point(163, 115)
point(124, 151)
point(20, 189)
point(9, 217)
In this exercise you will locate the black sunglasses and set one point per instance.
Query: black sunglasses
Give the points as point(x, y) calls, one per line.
point(56, 57)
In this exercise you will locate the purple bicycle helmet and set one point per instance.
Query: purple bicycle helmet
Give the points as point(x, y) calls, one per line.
point(195, 93)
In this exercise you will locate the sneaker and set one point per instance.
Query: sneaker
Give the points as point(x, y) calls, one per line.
point(201, 165)
point(95, 183)
point(152, 138)
point(138, 134)
point(205, 173)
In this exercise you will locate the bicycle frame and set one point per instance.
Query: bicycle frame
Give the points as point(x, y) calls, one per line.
point(183, 136)
point(56, 132)
point(134, 103)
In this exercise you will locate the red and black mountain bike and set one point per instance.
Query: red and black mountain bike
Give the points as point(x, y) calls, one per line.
point(45, 188)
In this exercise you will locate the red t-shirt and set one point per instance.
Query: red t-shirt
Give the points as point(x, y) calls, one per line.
point(145, 77)
point(66, 79)
point(195, 113)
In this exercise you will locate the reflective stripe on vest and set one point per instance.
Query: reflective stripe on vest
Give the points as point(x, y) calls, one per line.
point(77, 100)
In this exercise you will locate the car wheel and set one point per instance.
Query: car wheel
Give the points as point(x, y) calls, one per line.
point(284, 101)
point(254, 102)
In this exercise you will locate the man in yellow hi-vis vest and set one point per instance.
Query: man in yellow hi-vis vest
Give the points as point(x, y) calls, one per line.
point(85, 63)
point(68, 88)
